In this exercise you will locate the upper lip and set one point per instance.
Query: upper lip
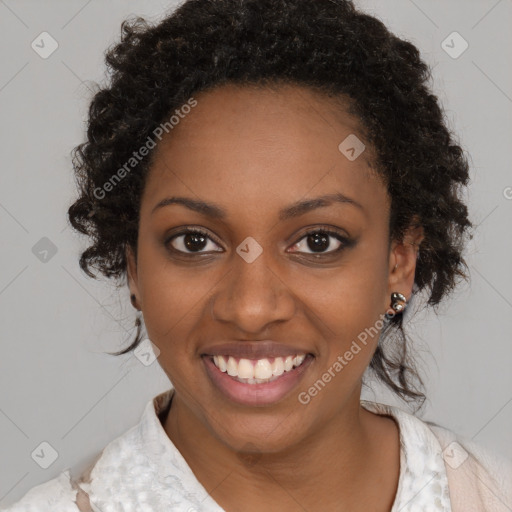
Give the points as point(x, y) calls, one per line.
point(253, 349)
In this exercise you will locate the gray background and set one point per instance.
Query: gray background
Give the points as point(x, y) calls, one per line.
point(58, 386)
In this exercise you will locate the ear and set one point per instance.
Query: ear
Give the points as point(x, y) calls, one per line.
point(402, 261)
point(131, 270)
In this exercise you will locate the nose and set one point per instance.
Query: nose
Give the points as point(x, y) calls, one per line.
point(253, 295)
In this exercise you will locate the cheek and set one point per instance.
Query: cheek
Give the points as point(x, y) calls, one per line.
point(350, 295)
point(174, 298)
point(348, 307)
point(171, 302)
point(164, 292)
point(171, 316)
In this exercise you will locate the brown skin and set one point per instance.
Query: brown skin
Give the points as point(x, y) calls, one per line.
point(254, 151)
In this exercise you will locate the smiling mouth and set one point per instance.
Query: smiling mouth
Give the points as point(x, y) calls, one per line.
point(257, 371)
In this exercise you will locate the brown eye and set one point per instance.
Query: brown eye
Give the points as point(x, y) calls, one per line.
point(192, 241)
point(321, 241)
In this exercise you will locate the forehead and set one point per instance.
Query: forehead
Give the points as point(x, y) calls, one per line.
point(276, 114)
point(248, 143)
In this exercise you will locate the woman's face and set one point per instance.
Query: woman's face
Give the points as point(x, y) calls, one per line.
point(262, 158)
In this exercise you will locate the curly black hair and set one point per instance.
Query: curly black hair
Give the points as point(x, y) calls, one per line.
point(326, 45)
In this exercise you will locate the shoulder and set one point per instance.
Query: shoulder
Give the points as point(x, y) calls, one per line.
point(479, 478)
point(55, 494)
point(112, 466)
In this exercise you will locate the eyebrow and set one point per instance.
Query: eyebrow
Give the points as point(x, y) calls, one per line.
point(294, 210)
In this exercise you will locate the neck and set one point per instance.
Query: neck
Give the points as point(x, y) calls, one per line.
point(344, 454)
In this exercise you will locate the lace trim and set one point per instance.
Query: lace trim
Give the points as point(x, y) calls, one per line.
point(82, 498)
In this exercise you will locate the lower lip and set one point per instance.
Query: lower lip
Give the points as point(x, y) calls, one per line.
point(256, 394)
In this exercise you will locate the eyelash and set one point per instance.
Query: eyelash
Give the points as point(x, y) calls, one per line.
point(345, 242)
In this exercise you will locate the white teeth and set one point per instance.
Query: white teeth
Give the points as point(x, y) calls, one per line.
point(222, 364)
point(298, 360)
point(232, 367)
point(278, 366)
point(261, 371)
point(245, 369)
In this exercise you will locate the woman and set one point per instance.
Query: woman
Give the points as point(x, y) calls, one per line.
point(276, 182)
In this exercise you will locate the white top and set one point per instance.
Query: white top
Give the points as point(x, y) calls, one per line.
point(142, 470)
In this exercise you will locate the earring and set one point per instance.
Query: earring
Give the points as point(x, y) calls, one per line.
point(398, 302)
point(133, 299)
